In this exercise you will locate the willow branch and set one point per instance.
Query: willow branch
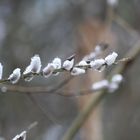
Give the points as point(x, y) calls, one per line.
point(54, 90)
point(43, 90)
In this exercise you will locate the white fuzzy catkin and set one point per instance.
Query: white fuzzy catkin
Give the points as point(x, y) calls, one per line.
point(98, 64)
point(1, 71)
point(115, 82)
point(112, 2)
point(68, 64)
point(90, 57)
point(117, 78)
point(111, 58)
point(4, 89)
point(100, 85)
point(48, 70)
point(15, 76)
point(27, 70)
point(113, 87)
point(57, 63)
point(35, 65)
point(21, 136)
point(98, 50)
point(29, 77)
point(77, 71)
point(82, 63)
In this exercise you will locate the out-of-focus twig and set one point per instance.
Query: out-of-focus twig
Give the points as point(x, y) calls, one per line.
point(62, 84)
point(43, 90)
point(46, 113)
point(120, 21)
point(32, 125)
point(114, 17)
point(81, 118)
point(35, 89)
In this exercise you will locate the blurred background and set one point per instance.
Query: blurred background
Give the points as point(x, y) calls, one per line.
point(61, 28)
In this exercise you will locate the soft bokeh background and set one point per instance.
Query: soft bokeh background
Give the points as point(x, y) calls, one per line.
point(50, 28)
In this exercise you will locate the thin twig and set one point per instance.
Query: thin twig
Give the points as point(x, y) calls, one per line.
point(36, 89)
point(31, 126)
point(43, 90)
point(62, 84)
point(44, 111)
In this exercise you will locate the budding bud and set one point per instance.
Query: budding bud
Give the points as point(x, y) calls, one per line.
point(68, 64)
point(35, 65)
point(98, 64)
point(15, 76)
point(48, 70)
point(82, 63)
point(77, 71)
point(117, 78)
point(111, 58)
point(115, 82)
point(21, 136)
point(100, 85)
point(57, 63)
point(113, 87)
